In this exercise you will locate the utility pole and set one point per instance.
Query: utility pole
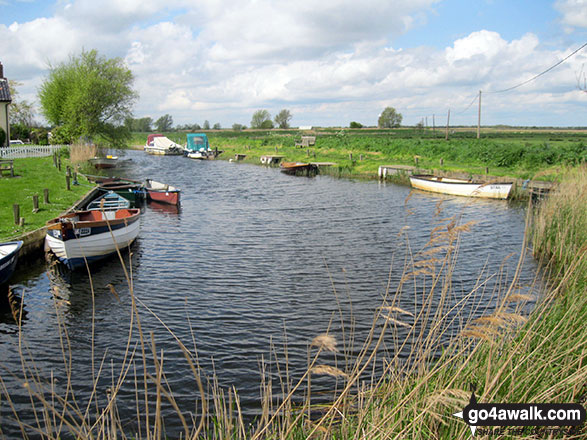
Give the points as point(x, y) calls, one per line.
point(447, 123)
point(479, 117)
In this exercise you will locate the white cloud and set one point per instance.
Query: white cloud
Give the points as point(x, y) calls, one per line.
point(574, 13)
point(324, 61)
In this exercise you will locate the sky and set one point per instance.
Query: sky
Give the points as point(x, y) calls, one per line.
point(328, 62)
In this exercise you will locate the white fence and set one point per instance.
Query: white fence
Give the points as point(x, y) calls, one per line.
point(29, 151)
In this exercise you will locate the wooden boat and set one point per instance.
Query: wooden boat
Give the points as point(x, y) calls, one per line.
point(91, 235)
point(108, 202)
point(8, 257)
point(460, 187)
point(130, 190)
point(104, 162)
point(161, 145)
point(161, 192)
point(298, 168)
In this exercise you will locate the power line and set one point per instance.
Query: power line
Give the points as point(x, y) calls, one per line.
point(541, 73)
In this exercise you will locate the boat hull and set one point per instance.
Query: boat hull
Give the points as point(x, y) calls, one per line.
point(104, 163)
point(459, 187)
point(163, 152)
point(75, 242)
point(8, 258)
point(170, 197)
point(298, 168)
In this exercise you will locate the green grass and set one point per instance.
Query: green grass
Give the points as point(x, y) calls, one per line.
point(536, 154)
point(31, 177)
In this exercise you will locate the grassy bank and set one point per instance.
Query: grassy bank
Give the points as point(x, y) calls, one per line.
point(536, 154)
point(32, 176)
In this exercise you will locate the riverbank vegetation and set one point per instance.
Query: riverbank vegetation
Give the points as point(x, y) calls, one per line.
point(32, 177)
point(502, 353)
point(525, 154)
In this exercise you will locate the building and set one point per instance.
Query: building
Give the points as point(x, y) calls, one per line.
point(5, 101)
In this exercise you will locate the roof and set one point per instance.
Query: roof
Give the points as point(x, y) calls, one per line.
point(4, 91)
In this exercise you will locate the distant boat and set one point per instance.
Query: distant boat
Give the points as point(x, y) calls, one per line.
point(108, 202)
point(198, 147)
point(91, 235)
point(8, 257)
point(161, 192)
point(298, 168)
point(460, 187)
point(160, 145)
point(104, 162)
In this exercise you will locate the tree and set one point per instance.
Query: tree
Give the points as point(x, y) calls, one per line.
point(354, 124)
point(238, 127)
point(282, 119)
point(89, 96)
point(389, 118)
point(217, 126)
point(140, 125)
point(261, 119)
point(164, 123)
point(21, 112)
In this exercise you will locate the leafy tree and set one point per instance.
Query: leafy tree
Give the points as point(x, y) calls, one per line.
point(21, 112)
point(89, 96)
point(164, 123)
point(140, 125)
point(355, 125)
point(282, 119)
point(206, 125)
point(217, 126)
point(389, 118)
point(238, 127)
point(261, 119)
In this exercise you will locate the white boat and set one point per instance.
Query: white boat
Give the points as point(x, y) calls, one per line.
point(201, 154)
point(160, 145)
point(91, 235)
point(104, 162)
point(460, 187)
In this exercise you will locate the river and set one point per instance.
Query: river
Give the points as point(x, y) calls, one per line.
point(254, 259)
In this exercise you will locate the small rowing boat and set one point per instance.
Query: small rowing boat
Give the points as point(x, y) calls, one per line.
point(91, 235)
point(460, 187)
point(8, 257)
point(298, 168)
point(161, 192)
point(104, 162)
point(108, 202)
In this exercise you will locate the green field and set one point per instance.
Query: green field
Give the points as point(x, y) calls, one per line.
point(524, 153)
point(31, 177)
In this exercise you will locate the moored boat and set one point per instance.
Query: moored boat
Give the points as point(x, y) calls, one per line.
point(198, 147)
point(104, 162)
point(461, 187)
point(8, 257)
point(91, 235)
point(130, 190)
point(161, 192)
point(298, 168)
point(108, 202)
point(161, 145)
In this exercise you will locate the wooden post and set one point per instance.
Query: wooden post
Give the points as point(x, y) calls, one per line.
point(447, 124)
point(416, 160)
point(59, 163)
point(46, 196)
point(441, 161)
point(276, 149)
point(68, 171)
point(16, 212)
point(351, 156)
point(308, 152)
point(21, 222)
point(36, 203)
point(67, 182)
point(486, 170)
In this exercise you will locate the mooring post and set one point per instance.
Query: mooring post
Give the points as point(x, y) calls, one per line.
point(67, 182)
point(46, 196)
point(59, 163)
point(486, 170)
point(441, 161)
point(361, 158)
point(351, 156)
point(16, 212)
point(416, 160)
point(36, 203)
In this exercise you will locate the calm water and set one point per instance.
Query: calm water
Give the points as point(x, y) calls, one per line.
point(253, 255)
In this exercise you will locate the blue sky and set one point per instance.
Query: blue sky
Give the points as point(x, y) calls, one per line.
point(329, 63)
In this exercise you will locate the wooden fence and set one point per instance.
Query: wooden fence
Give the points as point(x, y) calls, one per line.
point(29, 151)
